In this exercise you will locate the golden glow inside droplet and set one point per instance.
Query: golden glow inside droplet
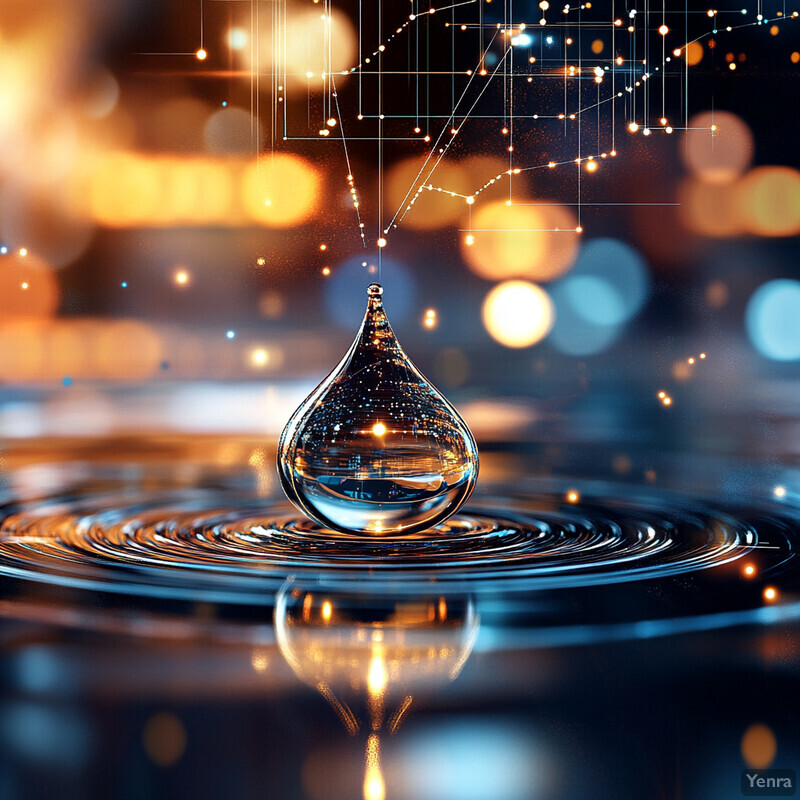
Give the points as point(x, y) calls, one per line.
point(591, 166)
point(780, 491)
point(379, 429)
point(770, 594)
point(326, 271)
point(327, 610)
point(572, 496)
point(749, 570)
point(662, 395)
point(201, 55)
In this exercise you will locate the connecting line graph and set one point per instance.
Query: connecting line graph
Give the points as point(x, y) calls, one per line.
point(486, 77)
point(637, 84)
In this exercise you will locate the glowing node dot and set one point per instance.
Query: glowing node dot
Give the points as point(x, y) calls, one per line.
point(201, 55)
point(591, 166)
point(572, 496)
point(381, 242)
point(23, 251)
point(470, 240)
point(230, 334)
point(770, 594)
point(633, 127)
point(24, 285)
point(379, 429)
point(690, 360)
point(261, 261)
point(663, 30)
point(749, 570)
point(323, 247)
point(702, 355)
point(780, 491)
point(124, 284)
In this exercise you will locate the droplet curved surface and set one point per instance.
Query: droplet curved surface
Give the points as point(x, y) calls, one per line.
point(375, 449)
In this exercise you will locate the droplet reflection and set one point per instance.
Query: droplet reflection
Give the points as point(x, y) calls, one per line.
point(375, 449)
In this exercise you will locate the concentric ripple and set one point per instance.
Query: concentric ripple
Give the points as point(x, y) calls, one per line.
point(219, 546)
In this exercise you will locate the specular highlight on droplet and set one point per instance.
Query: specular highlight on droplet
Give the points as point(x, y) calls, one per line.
point(375, 448)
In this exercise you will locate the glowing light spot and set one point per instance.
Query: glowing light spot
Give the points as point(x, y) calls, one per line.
point(181, 277)
point(323, 247)
point(758, 746)
point(327, 610)
point(201, 55)
point(780, 491)
point(663, 30)
point(379, 429)
point(237, 38)
point(573, 496)
point(23, 251)
point(230, 334)
point(633, 127)
point(749, 570)
point(259, 357)
point(591, 166)
point(381, 242)
point(517, 313)
point(326, 271)
point(770, 594)
point(24, 285)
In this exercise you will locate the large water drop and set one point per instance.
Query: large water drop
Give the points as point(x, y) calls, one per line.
point(375, 448)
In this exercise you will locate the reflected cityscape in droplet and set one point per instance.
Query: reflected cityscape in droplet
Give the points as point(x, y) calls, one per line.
point(376, 449)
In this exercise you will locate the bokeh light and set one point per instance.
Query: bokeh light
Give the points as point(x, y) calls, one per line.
point(310, 44)
point(608, 284)
point(28, 288)
point(773, 320)
point(759, 746)
point(537, 242)
point(517, 313)
point(769, 201)
point(280, 191)
point(710, 209)
point(718, 146)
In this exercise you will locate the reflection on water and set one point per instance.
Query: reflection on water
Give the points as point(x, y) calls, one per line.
point(372, 653)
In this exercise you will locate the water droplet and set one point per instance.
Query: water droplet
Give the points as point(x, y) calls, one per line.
point(375, 448)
